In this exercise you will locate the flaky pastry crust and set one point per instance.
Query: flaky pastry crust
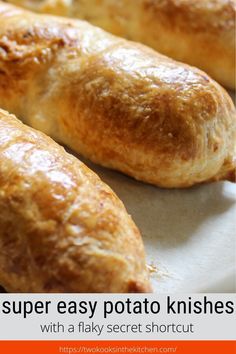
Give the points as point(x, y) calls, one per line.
point(116, 102)
point(197, 32)
point(61, 228)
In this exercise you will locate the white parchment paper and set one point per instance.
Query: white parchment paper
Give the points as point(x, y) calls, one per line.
point(189, 235)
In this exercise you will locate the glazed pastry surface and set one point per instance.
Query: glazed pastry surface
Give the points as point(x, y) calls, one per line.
point(198, 32)
point(119, 103)
point(61, 228)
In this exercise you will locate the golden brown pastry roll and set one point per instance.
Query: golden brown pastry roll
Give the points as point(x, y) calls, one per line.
point(61, 228)
point(198, 32)
point(118, 103)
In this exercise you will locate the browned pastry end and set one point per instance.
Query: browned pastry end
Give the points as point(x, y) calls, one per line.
point(61, 228)
point(198, 32)
point(118, 103)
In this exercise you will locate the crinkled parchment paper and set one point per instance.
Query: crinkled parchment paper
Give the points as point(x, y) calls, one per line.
point(189, 235)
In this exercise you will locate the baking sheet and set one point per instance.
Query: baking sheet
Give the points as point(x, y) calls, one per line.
point(189, 234)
